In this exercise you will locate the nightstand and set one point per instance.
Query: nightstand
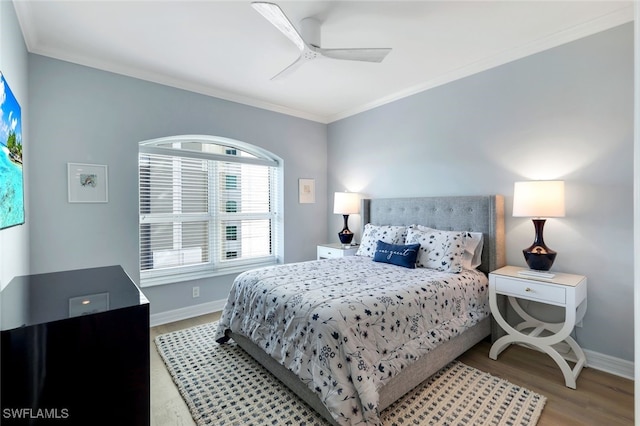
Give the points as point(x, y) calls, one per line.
point(565, 290)
point(329, 251)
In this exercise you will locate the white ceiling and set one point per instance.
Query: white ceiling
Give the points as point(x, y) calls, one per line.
point(227, 50)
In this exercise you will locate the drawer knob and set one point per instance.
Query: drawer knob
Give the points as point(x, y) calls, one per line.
point(528, 289)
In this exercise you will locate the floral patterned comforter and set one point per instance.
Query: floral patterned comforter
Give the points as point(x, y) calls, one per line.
point(345, 326)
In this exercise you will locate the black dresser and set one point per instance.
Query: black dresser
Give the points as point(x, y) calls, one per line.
point(75, 349)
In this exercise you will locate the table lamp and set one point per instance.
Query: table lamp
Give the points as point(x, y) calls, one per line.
point(346, 203)
point(538, 200)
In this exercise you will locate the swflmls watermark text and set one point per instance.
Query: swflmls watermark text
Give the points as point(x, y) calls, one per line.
point(35, 413)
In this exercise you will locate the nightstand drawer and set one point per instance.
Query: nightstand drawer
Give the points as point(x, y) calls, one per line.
point(327, 252)
point(530, 290)
point(330, 251)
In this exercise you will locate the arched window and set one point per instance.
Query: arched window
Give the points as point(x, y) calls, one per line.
point(208, 206)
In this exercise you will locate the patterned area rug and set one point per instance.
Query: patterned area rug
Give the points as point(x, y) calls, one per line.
point(223, 385)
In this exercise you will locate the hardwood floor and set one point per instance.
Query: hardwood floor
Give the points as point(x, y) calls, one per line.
point(600, 399)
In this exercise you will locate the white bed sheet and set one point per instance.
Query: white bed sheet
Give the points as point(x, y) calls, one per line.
point(346, 325)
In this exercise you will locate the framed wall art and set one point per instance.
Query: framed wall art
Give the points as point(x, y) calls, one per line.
point(88, 183)
point(11, 176)
point(306, 191)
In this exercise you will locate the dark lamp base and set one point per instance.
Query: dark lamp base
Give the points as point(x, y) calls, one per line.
point(539, 258)
point(538, 255)
point(345, 236)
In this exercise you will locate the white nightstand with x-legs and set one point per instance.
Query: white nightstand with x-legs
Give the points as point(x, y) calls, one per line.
point(565, 290)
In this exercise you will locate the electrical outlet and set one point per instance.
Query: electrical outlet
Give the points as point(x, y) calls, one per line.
point(196, 291)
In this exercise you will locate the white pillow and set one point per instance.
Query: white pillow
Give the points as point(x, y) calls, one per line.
point(474, 243)
point(391, 234)
point(440, 250)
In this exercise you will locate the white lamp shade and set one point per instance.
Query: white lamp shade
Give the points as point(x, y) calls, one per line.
point(346, 203)
point(538, 198)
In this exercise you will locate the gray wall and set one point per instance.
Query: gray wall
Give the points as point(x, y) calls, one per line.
point(83, 115)
point(566, 113)
point(14, 242)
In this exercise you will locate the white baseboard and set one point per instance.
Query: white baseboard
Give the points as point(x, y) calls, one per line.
point(186, 312)
point(598, 361)
point(595, 360)
point(609, 364)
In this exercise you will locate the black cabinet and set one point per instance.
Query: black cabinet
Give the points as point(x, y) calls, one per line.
point(75, 349)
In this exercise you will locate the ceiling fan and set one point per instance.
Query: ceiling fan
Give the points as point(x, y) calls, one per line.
point(309, 41)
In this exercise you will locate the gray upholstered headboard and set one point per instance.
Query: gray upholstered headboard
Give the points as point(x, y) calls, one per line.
point(461, 213)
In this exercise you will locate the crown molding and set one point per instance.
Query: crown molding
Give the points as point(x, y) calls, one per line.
point(603, 23)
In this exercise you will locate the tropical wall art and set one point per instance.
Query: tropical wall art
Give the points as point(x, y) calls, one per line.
point(11, 174)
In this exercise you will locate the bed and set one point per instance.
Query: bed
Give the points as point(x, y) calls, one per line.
point(351, 336)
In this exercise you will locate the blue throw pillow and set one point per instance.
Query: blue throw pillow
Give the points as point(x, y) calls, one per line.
point(401, 255)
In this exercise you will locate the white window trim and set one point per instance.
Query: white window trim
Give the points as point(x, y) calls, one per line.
point(187, 273)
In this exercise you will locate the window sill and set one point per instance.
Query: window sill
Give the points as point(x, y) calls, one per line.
point(197, 275)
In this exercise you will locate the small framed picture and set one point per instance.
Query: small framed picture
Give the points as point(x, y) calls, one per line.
point(87, 183)
point(306, 191)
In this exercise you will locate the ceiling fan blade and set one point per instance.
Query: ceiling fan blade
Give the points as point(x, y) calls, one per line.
point(288, 70)
point(309, 49)
point(278, 19)
point(356, 54)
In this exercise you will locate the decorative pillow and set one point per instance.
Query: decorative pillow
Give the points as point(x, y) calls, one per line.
point(474, 243)
point(391, 234)
point(440, 250)
point(401, 255)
